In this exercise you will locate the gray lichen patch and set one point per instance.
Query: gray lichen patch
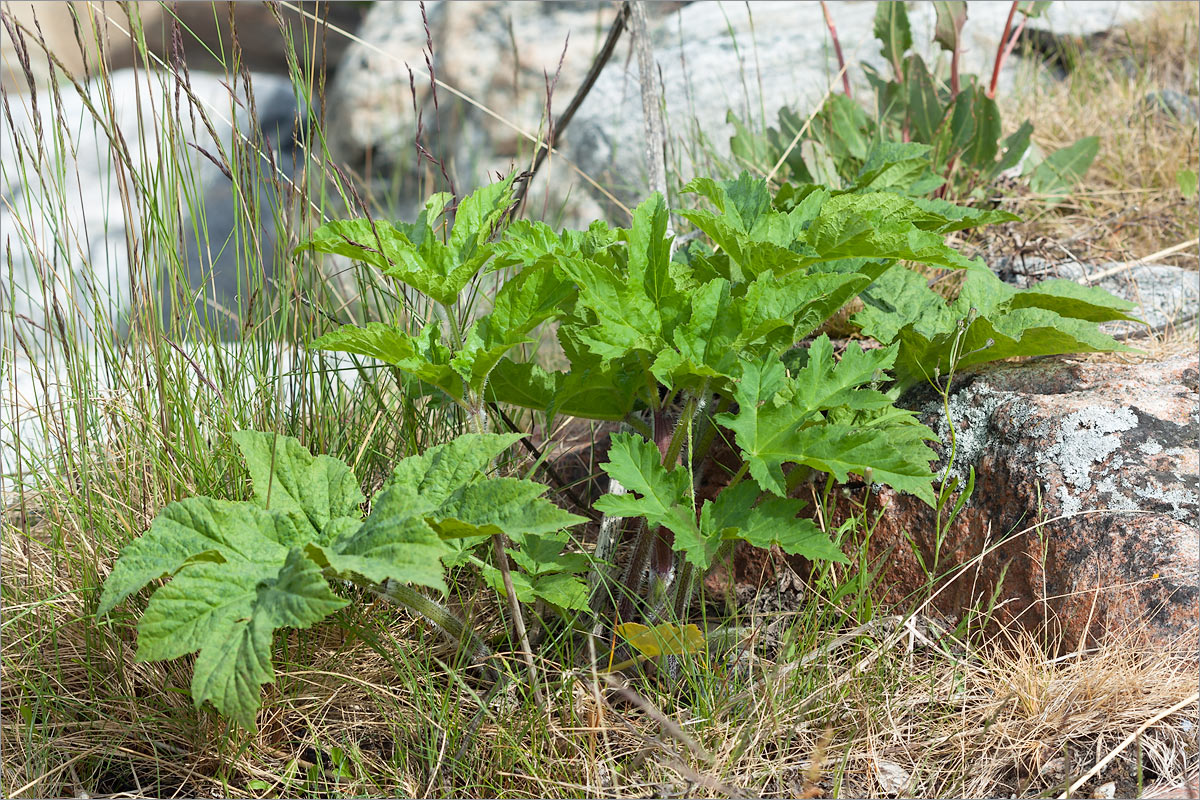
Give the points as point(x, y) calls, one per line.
point(1150, 447)
point(1180, 501)
point(1113, 495)
point(971, 411)
point(1086, 438)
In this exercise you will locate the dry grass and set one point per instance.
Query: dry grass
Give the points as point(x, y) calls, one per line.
point(1129, 205)
point(366, 708)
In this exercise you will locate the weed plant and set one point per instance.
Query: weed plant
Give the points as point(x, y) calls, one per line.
point(140, 402)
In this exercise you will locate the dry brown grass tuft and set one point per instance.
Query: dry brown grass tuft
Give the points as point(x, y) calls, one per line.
point(367, 708)
point(1130, 204)
point(1001, 721)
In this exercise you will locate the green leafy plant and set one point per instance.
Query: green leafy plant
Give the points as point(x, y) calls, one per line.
point(683, 346)
point(955, 116)
point(240, 570)
point(687, 345)
point(989, 320)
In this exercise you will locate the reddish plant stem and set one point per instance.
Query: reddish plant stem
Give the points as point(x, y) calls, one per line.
point(1000, 52)
point(1012, 43)
point(954, 83)
point(837, 48)
point(664, 554)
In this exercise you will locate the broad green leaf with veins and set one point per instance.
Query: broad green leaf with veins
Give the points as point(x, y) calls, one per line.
point(1045, 319)
point(563, 590)
point(234, 583)
point(422, 356)
point(824, 383)
point(500, 505)
point(312, 490)
point(477, 216)
point(664, 494)
point(542, 554)
point(229, 612)
point(394, 542)
point(415, 254)
point(522, 303)
point(841, 450)
point(624, 318)
point(764, 431)
point(878, 225)
point(637, 465)
point(779, 421)
point(773, 521)
point(559, 589)
point(650, 258)
point(183, 532)
point(756, 236)
point(239, 570)
point(440, 471)
point(704, 343)
point(589, 392)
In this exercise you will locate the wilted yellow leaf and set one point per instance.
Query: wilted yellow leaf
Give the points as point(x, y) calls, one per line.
point(664, 639)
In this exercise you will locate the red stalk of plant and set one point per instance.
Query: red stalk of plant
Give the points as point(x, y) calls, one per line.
point(1005, 48)
point(664, 553)
point(837, 48)
point(954, 84)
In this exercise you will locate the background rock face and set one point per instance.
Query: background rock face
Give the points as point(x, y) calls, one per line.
point(755, 57)
point(1106, 457)
point(749, 57)
point(498, 54)
point(202, 26)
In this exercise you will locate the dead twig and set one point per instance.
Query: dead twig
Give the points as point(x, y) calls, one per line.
point(560, 124)
point(1128, 740)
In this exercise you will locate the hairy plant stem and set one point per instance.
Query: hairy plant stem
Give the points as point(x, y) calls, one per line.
point(479, 418)
point(656, 136)
point(600, 574)
point(653, 547)
point(443, 619)
point(639, 561)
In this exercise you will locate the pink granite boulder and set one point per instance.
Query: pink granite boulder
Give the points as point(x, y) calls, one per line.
point(1084, 516)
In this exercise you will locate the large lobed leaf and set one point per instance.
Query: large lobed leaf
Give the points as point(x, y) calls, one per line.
point(659, 495)
point(415, 254)
point(240, 570)
point(772, 522)
point(310, 490)
point(1048, 318)
point(448, 487)
point(229, 612)
point(663, 497)
point(779, 421)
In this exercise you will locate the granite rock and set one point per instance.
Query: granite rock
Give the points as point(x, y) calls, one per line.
point(1084, 513)
point(755, 57)
point(750, 57)
point(205, 41)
